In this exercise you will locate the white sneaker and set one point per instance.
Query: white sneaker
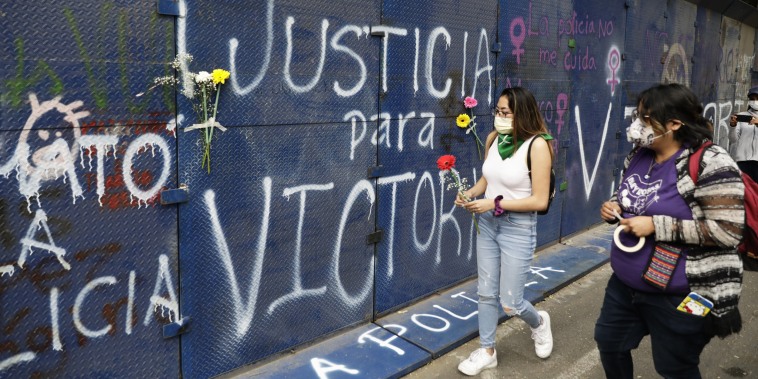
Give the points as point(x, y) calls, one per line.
point(543, 337)
point(478, 361)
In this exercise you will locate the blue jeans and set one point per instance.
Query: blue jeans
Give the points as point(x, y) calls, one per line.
point(504, 251)
point(627, 315)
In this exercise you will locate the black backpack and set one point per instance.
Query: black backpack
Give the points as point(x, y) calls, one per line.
point(551, 194)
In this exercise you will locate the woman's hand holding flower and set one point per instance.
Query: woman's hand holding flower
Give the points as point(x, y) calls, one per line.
point(479, 206)
point(462, 198)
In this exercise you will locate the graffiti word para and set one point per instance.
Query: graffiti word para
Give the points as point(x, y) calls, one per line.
point(383, 134)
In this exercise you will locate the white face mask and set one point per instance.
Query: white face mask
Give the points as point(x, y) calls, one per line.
point(639, 135)
point(504, 125)
point(753, 104)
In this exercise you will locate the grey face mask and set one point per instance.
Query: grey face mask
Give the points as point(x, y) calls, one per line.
point(639, 135)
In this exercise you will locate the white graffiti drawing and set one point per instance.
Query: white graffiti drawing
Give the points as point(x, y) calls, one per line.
point(48, 162)
point(297, 285)
point(130, 303)
point(17, 359)
point(386, 31)
point(352, 301)
point(459, 317)
point(423, 246)
point(322, 367)
point(589, 180)
point(170, 304)
point(234, 43)
point(394, 180)
point(188, 85)
point(101, 144)
point(288, 58)
point(144, 141)
point(57, 344)
point(344, 49)
point(109, 280)
point(445, 323)
point(7, 269)
point(463, 70)
point(676, 68)
point(483, 47)
point(385, 343)
point(538, 271)
point(28, 242)
point(436, 33)
point(244, 311)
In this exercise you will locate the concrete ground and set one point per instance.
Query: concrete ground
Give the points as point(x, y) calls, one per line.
point(573, 312)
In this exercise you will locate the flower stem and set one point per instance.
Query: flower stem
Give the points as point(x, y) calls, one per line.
point(215, 107)
point(205, 130)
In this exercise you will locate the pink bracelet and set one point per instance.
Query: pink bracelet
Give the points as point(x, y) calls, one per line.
point(498, 211)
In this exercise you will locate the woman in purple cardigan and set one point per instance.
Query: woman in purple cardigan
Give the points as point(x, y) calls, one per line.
point(676, 241)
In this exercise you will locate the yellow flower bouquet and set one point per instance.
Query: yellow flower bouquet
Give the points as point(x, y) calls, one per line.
point(203, 92)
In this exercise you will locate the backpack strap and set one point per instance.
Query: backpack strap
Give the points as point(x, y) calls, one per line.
point(695, 159)
point(529, 154)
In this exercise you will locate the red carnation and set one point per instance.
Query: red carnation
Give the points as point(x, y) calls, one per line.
point(446, 162)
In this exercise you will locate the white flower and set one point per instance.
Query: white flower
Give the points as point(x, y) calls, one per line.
point(203, 76)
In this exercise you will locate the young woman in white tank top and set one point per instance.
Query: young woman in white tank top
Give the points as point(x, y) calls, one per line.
point(507, 224)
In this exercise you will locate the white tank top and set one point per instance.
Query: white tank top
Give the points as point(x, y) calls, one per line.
point(509, 177)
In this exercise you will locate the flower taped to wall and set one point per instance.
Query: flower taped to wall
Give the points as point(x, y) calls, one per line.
point(203, 95)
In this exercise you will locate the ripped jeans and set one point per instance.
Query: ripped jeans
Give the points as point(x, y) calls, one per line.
point(504, 252)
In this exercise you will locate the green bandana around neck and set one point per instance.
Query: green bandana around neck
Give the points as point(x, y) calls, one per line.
point(506, 146)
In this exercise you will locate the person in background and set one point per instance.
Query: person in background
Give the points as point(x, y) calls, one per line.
point(743, 136)
point(508, 233)
point(674, 239)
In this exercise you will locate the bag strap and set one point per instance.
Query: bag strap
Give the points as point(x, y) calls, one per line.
point(695, 159)
point(529, 155)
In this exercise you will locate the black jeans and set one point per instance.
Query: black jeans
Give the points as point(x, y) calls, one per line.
point(750, 168)
point(628, 315)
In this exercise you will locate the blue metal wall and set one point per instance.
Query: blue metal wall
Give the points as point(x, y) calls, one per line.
point(88, 270)
point(336, 113)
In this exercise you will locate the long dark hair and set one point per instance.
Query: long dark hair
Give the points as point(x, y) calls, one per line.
point(665, 102)
point(527, 120)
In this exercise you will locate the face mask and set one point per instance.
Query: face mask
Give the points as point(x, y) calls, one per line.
point(753, 104)
point(639, 135)
point(504, 125)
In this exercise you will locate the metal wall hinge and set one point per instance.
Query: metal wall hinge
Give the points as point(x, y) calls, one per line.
point(175, 195)
point(374, 237)
point(618, 134)
point(169, 8)
point(375, 172)
point(176, 328)
point(495, 47)
point(616, 172)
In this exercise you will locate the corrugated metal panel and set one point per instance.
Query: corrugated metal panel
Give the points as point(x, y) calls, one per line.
point(534, 38)
point(597, 109)
point(274, 250)
point(88, 272)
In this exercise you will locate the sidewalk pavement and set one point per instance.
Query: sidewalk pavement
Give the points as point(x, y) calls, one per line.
point(428, 339)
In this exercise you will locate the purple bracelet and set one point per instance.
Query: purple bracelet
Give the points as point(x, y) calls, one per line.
point(498, 211)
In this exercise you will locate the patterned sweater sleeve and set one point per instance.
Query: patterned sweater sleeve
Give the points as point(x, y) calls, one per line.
point(716, 201)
